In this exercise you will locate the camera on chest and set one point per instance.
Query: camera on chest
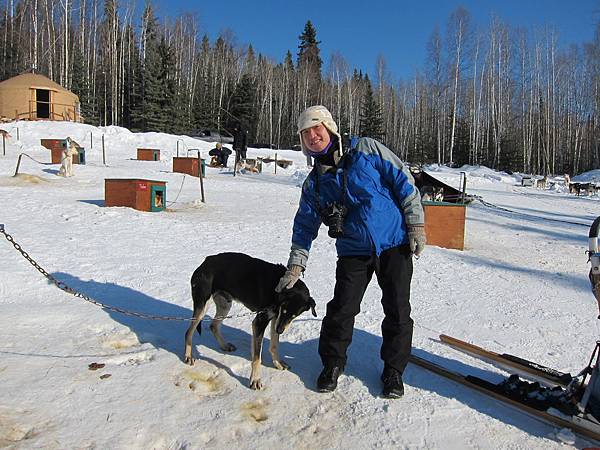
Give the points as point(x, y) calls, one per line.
point(333, 217)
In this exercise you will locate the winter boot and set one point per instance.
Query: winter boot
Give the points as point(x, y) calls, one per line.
point(392, 383)
point(327, 381)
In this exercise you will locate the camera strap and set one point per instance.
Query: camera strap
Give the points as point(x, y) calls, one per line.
point(344, 160)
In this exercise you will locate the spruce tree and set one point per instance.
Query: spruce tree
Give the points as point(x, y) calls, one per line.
point(133, 85)
point(371, 122)
point(241, 106)
point(159, 90)
point(80, 87)
point(171, 114)
point(201, 111)
point(309, 52)
point(288, 63)
point(309, 65)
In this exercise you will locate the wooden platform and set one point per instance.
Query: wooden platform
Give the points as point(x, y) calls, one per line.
point(283, 163)
point(445, 224)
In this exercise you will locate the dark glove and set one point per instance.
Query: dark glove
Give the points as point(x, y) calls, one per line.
point(289, 278)
point(416, 238)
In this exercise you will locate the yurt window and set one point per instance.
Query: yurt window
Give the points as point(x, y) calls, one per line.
point(42, 97)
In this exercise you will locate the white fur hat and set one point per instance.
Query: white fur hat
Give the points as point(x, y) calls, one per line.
point(315, 115)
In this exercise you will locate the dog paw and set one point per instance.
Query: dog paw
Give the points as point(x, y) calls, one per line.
point(189, 360)
point(229, 347)
point(281, 365)
point(256, 384)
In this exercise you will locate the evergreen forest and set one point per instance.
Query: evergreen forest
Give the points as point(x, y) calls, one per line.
point(508, 98)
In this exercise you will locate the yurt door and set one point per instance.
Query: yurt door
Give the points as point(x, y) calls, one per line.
point(42, 98)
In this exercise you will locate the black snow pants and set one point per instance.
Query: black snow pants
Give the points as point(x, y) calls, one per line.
point(393, 269)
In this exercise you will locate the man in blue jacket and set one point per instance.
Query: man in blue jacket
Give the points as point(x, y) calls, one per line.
point(367, 199)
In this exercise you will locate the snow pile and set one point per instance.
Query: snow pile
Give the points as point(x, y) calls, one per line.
point(592, 176)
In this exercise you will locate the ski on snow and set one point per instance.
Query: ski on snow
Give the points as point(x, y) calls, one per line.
point(545, 404)
point(522, 366)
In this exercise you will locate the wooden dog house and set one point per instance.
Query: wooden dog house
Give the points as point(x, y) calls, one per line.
point(56, 147)
point(143, 195)
point(188, 166)
point(445, 224)
point(148, 154)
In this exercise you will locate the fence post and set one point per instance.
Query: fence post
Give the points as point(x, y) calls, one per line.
point(103, 152)
point(275, 163)
point(200, 176)
point(18, 164)
point(3, 144)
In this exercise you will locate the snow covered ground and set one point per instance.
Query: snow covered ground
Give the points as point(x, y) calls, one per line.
point(520, 286)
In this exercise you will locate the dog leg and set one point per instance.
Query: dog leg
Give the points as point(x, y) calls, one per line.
point(194, 324)
point(223, 307)
point(259, 324)
point(274, 348)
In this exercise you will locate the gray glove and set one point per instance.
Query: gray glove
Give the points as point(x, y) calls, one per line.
point(289, 278)
point(416, 238)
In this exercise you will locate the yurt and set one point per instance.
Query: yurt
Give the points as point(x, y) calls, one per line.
point(31, 96)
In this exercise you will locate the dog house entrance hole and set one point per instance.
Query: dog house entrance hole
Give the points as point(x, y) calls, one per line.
point(158, 198)
point(81, 155)
point(42, 98)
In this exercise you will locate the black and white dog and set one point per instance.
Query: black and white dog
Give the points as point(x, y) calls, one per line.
point(235, 276)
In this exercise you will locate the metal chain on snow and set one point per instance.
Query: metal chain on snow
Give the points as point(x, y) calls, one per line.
point(64, 287)
point(177, 196)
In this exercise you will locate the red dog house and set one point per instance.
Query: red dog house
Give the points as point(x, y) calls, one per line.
point(148, 154)
point(56, 147)
point(188, 166)
point(143, 195)
point(445, 224)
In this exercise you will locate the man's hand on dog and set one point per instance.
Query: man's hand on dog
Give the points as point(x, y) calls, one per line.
point(289, 278)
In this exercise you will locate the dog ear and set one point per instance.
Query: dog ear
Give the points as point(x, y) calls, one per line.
point(312, 307)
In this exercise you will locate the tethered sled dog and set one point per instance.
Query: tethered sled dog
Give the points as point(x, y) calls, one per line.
point(235, 276)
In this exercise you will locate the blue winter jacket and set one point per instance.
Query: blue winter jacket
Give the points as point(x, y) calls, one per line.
point(380, 196)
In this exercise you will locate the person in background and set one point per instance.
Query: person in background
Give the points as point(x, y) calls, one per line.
point(221, 154)
point(240, 142)
point(367, 198)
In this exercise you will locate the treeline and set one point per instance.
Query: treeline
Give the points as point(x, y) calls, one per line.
point(503, 97)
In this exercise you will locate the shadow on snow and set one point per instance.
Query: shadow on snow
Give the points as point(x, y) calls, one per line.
point(363, 365)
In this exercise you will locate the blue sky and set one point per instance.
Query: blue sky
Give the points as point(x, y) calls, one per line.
point(361, 30)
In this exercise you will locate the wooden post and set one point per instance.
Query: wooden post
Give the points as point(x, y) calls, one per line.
point(177, 147)
point(91, 141)
point(275, 163)
point(18, 164)
point(103, 152)
point(200, 176)
point(17, 134)
point(3, 144)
